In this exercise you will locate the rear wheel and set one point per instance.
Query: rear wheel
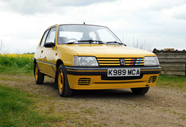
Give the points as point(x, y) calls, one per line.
point(39, 77)
point(140, 91)
point(62, 82)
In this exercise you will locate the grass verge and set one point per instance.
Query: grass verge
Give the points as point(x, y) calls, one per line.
point(16, 109)
point(172, 81)
point(19, 108)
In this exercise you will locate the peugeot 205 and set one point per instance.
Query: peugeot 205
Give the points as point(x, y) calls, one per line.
point(92, 57)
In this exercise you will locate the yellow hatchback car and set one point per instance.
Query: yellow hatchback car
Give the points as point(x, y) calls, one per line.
point(91, 57)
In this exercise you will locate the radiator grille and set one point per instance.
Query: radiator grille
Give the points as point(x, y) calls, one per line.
point(84, 81)
point(116, 61)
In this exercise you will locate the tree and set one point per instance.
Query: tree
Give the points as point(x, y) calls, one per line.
point(141, 43)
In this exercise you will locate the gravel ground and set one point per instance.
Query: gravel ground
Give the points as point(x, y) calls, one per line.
point(164, 107)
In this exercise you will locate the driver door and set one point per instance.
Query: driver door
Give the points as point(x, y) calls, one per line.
point(48, 54)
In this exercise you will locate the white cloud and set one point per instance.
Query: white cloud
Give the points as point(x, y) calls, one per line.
point(159, 5)
point(46, 6)
point(178, 12)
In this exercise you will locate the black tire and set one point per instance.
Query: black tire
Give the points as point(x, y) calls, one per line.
point(62, 82)
point(39, 77)
point(140, 91)
point(55, 82)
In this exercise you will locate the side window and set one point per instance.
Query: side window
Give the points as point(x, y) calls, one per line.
point(51, 35)
point(44, 38)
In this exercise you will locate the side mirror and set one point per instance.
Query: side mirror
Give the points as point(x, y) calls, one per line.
point(49, 45)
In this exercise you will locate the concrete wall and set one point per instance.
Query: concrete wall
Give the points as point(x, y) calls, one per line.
point(172, 62)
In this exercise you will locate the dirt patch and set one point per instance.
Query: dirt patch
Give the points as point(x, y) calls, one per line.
point(159, 107)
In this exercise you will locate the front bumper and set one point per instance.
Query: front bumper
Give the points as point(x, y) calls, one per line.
point(97, 78)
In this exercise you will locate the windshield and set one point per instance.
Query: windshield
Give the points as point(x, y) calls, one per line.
point(85, 34)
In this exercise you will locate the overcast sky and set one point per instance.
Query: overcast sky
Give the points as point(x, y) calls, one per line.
point(158, 23)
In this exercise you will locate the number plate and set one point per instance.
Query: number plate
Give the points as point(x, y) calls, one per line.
point(115, 72)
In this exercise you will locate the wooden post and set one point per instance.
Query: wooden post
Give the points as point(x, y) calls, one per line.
point(185, 69)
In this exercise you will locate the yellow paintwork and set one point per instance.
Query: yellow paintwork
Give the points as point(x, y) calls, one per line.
point(100, 50)
point(47, 63)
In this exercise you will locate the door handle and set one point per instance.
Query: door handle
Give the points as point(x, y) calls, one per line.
point(41, 51)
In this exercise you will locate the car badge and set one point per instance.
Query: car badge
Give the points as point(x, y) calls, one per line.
point(122, 62)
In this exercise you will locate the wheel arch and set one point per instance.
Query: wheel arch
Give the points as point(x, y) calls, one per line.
point(58, 63)
point(34, 61)
point(34, 65)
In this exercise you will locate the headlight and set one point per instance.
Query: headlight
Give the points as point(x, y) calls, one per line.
point(84, 61)
point(151, 61)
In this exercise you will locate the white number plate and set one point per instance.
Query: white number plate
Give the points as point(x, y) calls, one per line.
point(119, 72)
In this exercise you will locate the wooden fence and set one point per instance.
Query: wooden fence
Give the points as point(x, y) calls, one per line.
point(172, 62)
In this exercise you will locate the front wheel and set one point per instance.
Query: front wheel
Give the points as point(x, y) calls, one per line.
point(140, 91)
point(39, 77)
point(62, 82)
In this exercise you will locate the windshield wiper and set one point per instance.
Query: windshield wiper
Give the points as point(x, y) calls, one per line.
point(113, 42)
point(90, 41)
point(72, 42)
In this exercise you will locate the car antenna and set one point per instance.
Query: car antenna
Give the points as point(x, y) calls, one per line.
point(84, 23)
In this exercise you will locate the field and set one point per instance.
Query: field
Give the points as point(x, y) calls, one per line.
point(23, 103)
point(16, 63)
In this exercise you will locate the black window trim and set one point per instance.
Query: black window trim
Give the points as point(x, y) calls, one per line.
point(48, 33)
point(45, 37)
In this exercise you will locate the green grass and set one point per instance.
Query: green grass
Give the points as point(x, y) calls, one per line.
point(19, 108)
point(172, 81)
point(16, 65)
point(16, 109)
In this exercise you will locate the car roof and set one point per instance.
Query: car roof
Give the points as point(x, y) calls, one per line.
point(74, 24)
